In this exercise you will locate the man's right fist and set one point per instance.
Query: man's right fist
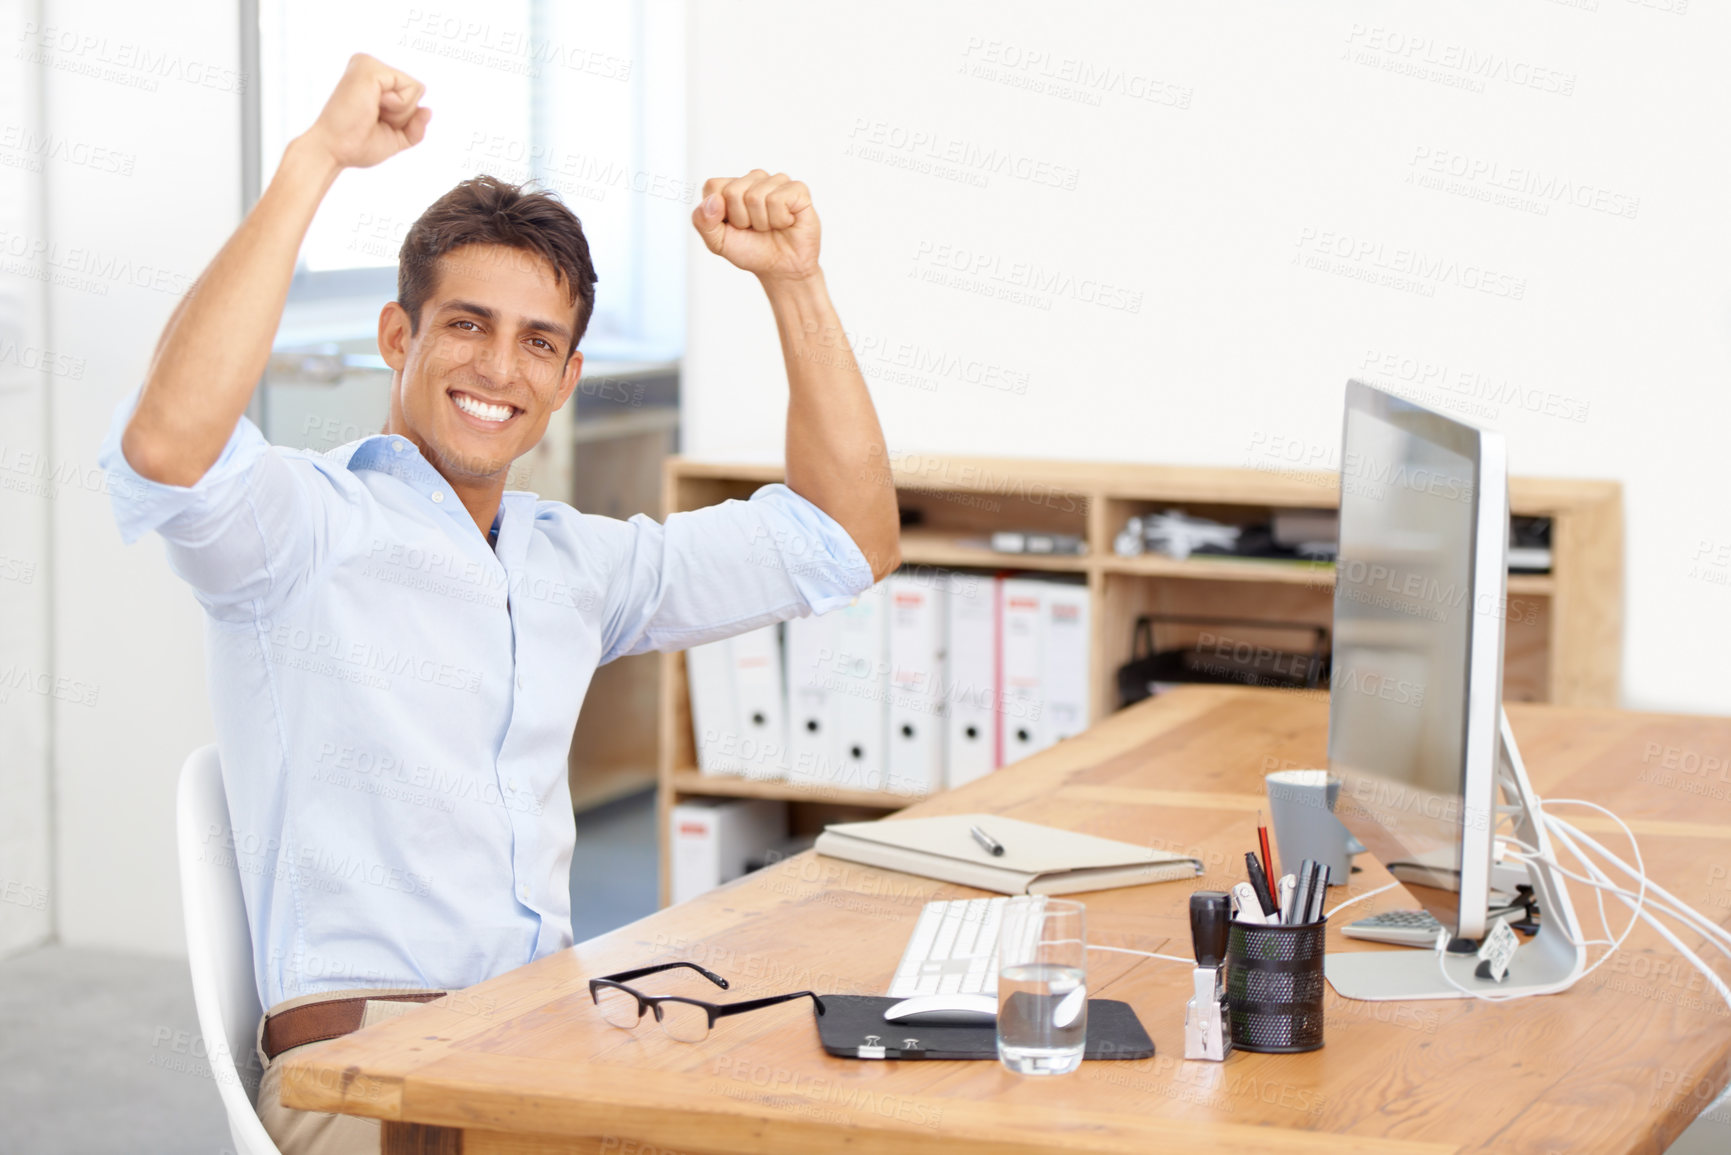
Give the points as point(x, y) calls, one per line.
point(372, 115)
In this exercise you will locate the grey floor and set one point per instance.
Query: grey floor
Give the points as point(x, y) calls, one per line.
point(96, 1047)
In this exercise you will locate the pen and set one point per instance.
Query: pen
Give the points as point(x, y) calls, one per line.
point(1259, 884)
point(987, 843)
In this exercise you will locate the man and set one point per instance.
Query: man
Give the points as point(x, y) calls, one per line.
point(397, 646)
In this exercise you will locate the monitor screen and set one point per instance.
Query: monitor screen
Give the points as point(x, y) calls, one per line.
point(1400, 734)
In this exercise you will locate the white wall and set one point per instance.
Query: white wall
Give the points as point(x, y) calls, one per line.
point(154, 82)
point(1267, 134)
point(29, 368)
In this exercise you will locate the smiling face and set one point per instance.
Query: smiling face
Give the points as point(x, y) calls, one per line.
point(486, 368)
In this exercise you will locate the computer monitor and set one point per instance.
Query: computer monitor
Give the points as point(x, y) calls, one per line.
point(1416, 730)
point(1416, 693)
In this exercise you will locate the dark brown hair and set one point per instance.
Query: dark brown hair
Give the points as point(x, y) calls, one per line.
point(485, 210)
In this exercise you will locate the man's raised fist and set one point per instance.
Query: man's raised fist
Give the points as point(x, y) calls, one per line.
point(372, 115)
point(764, 224)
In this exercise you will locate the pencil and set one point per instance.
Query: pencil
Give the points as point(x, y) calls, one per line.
point(1267, 858)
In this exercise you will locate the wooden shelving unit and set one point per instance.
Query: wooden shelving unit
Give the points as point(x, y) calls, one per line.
point(1563, 628)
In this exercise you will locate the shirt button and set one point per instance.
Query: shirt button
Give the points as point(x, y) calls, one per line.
point(399, 446)
point(524, 891)
point(439, 497)
point(519, 681)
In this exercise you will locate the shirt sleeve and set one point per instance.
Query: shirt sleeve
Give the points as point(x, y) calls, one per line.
point(247, 535)
point(710, 573)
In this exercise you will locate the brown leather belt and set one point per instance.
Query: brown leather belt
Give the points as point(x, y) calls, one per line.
point(315, 1022)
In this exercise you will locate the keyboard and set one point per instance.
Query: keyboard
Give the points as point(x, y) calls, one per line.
point(952, 951)
point(1400, 927)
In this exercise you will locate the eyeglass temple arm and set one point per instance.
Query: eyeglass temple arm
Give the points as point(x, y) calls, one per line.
point(627, 976)
point(757, 1004)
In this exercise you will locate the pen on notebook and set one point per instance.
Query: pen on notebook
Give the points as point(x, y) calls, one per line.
point(987, 843)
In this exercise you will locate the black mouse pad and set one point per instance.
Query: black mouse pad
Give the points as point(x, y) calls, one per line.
point(853, 1027)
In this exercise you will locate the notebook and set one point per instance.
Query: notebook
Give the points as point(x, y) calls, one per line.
point(1036, 860)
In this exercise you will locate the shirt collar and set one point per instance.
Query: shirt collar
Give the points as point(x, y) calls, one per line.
point(397, 457)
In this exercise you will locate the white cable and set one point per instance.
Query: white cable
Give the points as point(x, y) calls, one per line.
point(1715, 929)
point(1685, 916)
point(1600, 883)
point(1560, 831)
point(1189, 962)
point(1559, 828)
point(1360, 898)
point(1564, 830)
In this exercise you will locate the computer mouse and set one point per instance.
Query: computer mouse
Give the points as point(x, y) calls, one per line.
point(952, 1010)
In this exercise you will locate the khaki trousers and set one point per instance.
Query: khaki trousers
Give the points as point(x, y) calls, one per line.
point(318, 1132)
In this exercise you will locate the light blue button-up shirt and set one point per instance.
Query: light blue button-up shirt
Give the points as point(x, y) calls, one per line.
point(394, 700)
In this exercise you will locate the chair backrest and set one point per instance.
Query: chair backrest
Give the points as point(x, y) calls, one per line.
point(219, 947)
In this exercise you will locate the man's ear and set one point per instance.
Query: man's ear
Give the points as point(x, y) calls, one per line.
point(568, 383)
point(394, 335)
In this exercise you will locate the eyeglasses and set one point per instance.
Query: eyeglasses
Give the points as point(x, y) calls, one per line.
point(688, 1020)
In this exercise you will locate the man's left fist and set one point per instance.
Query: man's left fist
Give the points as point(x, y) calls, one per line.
point(763, 224)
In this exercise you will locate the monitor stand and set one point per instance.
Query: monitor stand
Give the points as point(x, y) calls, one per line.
point(1548, 962)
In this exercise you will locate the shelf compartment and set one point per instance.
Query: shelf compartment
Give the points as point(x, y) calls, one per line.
point(691, 781)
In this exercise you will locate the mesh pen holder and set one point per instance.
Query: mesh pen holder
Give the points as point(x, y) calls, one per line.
point(1274, 986)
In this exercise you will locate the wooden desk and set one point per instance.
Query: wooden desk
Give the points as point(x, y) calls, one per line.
point(522, 1063)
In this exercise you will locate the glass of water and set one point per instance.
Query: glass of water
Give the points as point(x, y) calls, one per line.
point(1042, 986)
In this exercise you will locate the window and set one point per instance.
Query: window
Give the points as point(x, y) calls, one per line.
point(586, 98)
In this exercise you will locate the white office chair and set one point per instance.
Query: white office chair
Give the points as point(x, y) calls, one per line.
point(219, 947)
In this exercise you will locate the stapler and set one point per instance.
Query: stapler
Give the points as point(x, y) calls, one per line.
point(1207, 1027)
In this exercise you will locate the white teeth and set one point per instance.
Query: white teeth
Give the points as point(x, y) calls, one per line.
point(481, 409)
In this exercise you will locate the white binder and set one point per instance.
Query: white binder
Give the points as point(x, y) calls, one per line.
point(759, 702)
point(1067, 639)
point(714, 719)
point(914, 604)
point(1021, 632)
point(712, 840)
point(970, 675)
point(809, 658)
point(857, 689)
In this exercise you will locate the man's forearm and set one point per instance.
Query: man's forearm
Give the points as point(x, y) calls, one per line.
point(216, 343)
point(835, 447)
